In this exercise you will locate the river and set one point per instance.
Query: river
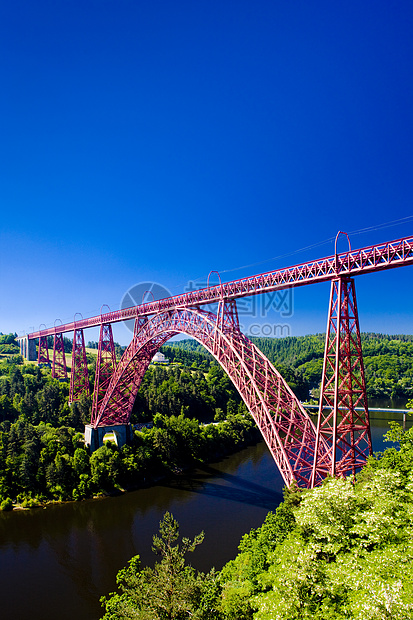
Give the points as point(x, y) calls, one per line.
point(56, 562)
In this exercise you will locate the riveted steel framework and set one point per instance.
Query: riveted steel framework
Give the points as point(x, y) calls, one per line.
point(43, 352)
point(79, 377)
point(343, 438)
point(105, 365)
point(59, 370)
point(285, 425)
point(388, 255)
point(343, 389)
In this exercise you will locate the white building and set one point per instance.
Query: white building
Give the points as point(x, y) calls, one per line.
point(160, 358)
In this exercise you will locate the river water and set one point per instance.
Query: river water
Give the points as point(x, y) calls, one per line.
point(57, 562)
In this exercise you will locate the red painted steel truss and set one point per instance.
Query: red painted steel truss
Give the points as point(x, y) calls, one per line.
point(373, 258)
point(345, 429)
point(43, 352)
point(305, 454)
point(79, 377)
point(59, 370)
point(105, 365)
point(285, 425)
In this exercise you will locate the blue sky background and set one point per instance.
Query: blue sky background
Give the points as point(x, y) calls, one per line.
point(158, 140)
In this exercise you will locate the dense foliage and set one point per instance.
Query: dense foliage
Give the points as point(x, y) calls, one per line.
point(388, 361)
point(8, 344)
point(42, 452)
point(343, 551)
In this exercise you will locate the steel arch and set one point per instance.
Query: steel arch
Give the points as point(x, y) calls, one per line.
point(284, 424)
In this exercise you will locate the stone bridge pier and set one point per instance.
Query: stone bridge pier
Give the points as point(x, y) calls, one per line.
point(27, 348)
point(118, 433)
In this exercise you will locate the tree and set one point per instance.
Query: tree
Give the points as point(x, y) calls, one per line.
point(172, 590)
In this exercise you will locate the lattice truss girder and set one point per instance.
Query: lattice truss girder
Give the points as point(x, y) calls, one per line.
point(345, 430)
point(285, 425)
point(386, 255)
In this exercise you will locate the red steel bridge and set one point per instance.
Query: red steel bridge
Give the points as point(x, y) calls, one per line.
point(305, 453)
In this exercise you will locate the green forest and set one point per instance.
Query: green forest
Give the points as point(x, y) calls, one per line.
point(342, 551)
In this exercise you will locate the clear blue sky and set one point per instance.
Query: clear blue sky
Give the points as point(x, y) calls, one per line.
point(158, 140)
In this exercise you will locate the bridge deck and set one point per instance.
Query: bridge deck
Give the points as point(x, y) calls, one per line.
point(389, 255)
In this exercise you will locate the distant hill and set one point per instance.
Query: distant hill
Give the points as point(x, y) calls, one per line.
point(388, 360)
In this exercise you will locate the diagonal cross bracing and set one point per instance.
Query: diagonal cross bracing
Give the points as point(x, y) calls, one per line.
point(285, 425)
point(79, 377)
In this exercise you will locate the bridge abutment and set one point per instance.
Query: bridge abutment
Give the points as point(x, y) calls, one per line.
point(120, 434)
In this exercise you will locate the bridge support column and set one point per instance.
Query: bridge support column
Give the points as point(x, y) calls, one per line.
point(343, 389)
point(27, 348)
point(59, 370)
point(43, 353)
point(105, 366)
point(226, 321)
point(120, 434)
point(79, 377)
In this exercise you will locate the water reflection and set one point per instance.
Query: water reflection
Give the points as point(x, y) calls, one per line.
point(248, 493)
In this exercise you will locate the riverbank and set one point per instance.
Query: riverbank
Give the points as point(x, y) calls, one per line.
point(171, 446)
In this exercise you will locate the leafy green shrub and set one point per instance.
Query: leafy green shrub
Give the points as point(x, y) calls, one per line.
point(6, 504)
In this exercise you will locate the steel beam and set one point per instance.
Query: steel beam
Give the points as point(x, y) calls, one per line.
point(43, 352)
point(105, 366)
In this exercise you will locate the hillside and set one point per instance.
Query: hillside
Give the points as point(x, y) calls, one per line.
point(388, 361)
